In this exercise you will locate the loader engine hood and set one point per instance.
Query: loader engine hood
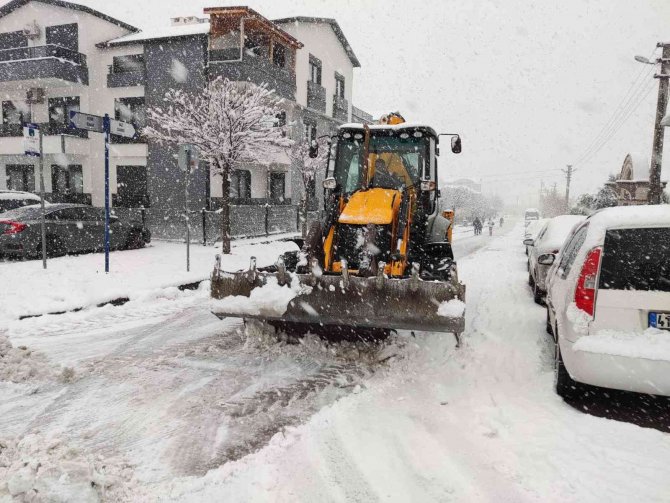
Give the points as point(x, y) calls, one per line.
point(374, 206)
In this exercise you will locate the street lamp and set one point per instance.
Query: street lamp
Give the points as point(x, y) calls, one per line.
point(646, 61)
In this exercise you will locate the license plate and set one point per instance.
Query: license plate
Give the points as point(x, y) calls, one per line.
point(659, 320)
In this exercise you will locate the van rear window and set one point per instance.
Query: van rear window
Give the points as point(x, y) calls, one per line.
point(636, 259)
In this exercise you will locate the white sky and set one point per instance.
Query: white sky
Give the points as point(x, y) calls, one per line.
point(528, 84)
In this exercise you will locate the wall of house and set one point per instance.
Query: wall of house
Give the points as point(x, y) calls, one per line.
point(94, 98)
point(320, 40)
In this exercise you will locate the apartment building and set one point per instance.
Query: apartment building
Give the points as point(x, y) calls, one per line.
point(56, 56)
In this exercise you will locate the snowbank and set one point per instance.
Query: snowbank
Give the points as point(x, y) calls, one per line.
point(36, 468)
point(453, 308)
point(80, 281)
point(19, 364)
point(652, 344)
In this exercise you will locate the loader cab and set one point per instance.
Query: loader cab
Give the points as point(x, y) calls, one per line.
point(402, 158)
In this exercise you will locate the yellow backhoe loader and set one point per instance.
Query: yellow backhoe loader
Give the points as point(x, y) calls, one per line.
point(381, 257)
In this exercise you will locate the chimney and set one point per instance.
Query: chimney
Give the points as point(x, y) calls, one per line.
point(186, 20)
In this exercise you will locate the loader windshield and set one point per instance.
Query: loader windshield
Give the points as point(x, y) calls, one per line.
point(395, 161)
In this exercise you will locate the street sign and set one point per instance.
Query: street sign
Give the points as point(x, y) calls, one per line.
point(188, 155)
point(120, 128)
point(31, 139)
point(80, 120)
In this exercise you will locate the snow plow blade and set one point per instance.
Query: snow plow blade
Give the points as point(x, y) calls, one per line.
point(334, 300)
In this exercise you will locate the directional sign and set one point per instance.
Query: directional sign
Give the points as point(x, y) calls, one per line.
point(188, 157)
point(80, 120)
point(121, 128)
point(31, 139)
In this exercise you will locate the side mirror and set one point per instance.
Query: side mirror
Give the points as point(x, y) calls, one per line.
point(529, 242)
point(329, 183)
point(546, 259)
point(456, 144)
point(314, 149)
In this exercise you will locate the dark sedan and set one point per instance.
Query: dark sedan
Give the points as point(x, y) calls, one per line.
point(70, 228)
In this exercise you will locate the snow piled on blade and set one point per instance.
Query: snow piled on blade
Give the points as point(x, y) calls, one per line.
point(453, 308)
point(269, 300)
point(652, 344)
point(38, 468)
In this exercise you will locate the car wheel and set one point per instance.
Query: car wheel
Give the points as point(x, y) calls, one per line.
point(135, 240)
point(566, 387)
point(538, 296)
point(548, 327)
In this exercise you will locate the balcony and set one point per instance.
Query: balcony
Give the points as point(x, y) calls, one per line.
point(340, 109)
point(256, 69)
point(126, 79)
point(316, 97)
point(48, 62)
point(48, 128)
point(9, 130)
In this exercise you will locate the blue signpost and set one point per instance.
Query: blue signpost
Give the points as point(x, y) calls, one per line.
point(105, 125)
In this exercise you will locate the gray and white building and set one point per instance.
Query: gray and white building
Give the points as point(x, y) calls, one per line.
point(57, 56)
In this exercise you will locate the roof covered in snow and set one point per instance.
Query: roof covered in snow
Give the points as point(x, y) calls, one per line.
point(163, 32)
point(632, 216)
point(635, 168)
point(16, 4)
point(333, 24)
point(558, 229)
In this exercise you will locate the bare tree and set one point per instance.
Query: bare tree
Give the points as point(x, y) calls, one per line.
point(308, 166)
point(228, 122)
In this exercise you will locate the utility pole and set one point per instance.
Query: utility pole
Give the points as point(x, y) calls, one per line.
point(568, 177)
point(655, 190)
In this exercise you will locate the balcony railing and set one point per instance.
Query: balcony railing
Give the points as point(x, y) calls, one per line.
point(316, 96)
point(340, 108)
point(41, 52)
point(116, 78)
point(47, 128)
point(7, 130)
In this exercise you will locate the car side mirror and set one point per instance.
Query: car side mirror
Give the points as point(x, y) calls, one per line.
point(456, 146)
point(546, 259)
point(529, 242)
point(329, 183)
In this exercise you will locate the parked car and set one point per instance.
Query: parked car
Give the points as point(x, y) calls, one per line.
point(531, 214)
point(533, 229)
point(12, 199)
point(543, 250)
point(608, 303)
point(70, 228)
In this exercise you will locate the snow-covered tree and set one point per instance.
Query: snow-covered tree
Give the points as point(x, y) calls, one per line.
point(308, 166)
point(228, 122)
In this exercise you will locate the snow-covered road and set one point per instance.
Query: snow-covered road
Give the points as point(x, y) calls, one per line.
point(172, 404)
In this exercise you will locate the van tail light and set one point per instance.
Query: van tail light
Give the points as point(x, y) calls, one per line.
point(12, 227)
point(585, 293)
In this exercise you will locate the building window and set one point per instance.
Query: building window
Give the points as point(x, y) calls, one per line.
point(339, 85)
point(277, 186)
point(256, 44)
point(309, 131)
point(67, 180)
point(280, 119)
point(63, 35)
point(279, 55)
point(131, 187)
point(314, 70)
point(130, 110)
point(240, 184)
point(21, 177)
point(15, 112)
point(129, 63)
point(59, 111)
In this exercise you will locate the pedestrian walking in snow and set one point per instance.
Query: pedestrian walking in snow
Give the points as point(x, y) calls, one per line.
point(477, 224)
point(490, 224)
point(502, 221)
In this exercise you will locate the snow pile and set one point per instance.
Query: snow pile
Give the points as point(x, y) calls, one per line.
point(453, 308)
point(37, 468)
point(652, 344)
point(20, 364)
point(269, 300)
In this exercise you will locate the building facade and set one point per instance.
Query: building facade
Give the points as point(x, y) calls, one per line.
point(631, 185)
point(56, 56)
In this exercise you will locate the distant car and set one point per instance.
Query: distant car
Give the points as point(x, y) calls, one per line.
point(531, 214)
point(533, 229)
point(12, 199)
point(70, 228)
point(608, 303)
point(543, 250)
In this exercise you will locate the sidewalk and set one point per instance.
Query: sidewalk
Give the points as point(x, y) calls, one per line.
point(76, 282)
